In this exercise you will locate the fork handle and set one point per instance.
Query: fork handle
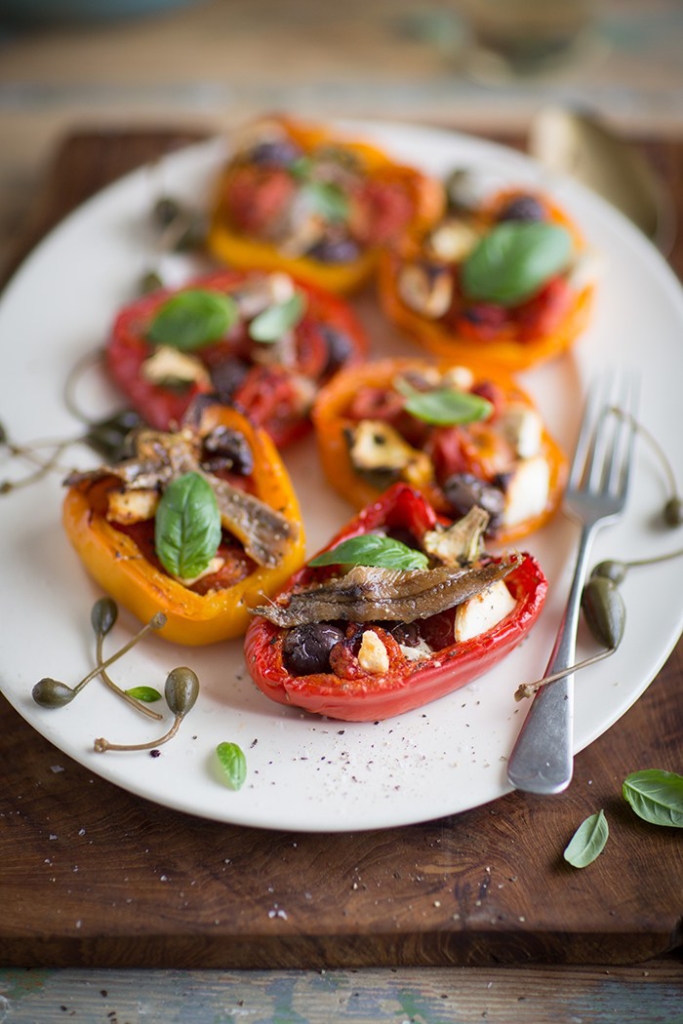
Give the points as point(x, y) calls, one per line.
point(542, 759)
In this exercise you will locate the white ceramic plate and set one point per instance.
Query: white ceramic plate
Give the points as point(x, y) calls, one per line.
point(307, 773)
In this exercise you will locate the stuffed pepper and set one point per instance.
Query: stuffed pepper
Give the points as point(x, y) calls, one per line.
point(402, 607)
point(300, 197)
point(259, 341)
point(463, 436)
point(200, 524)
point(510, 280)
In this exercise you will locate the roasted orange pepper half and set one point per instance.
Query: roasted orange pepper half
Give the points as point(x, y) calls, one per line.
point(121, 555)
point(422, 288)
point(303, 198)
point(504, 460)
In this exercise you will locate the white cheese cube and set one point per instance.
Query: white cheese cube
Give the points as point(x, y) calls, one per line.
point(483, 611)
point(373, 656)
point(527, 491)
point(523, 428)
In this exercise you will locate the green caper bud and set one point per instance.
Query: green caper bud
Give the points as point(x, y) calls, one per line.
point(165, 211)
point(673, 512)
point(50, 693)
point(3, 434)
point(103, 615)
point(111, 437)
point(462, 193)
point(604, 610)
point(157, 621)
point(611, 570)
point(194, 234)
point(181, 690)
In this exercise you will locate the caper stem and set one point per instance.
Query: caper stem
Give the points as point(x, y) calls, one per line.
point(90, 358)
point(106, 678)
point(529, 689)
point(156, 622)
point(43, 465)
point(656, 558)
point(101, 745)
point(654, 443)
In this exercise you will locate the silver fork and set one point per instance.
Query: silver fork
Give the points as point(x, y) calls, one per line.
point(596, 493)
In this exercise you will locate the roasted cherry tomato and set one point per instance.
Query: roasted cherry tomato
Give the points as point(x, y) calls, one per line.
point(509, 282)
point(303, 198)
point(111, 518)
point(273, 380)
point(367, 643)
point(463, 435)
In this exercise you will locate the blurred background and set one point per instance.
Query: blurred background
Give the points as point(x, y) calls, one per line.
point(478, 65)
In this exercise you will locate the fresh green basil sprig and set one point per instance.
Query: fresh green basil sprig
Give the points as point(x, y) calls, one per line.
point(276, 320)
point(373, 549)
point(233, 762)
point(588, 841)
point(514, 260)
point(187, 526)
point(444, 407)
point(192, 319)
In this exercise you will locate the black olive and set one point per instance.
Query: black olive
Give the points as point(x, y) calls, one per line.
point(464, 490)
point(339, 348)
point(306, 649)
point(228, 449)
point(227, 376)
point(275, 153)
point(406, 633)
point(331, 250)
point(112, 437)
point(525, 208)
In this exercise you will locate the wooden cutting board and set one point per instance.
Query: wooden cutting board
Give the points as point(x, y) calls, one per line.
point(93, 876)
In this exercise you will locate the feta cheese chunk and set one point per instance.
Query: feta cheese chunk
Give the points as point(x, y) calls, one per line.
point(373, 656)
point(483, 611)
point(523, 428)
point(527, 492)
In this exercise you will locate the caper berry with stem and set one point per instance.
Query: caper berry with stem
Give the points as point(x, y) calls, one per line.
point(103, 617)
point(51, 693)
point(181, 692)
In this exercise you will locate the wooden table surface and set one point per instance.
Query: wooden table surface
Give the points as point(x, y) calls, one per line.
point(93, 877)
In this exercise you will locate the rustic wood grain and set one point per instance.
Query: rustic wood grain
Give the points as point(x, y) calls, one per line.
point(93, 876)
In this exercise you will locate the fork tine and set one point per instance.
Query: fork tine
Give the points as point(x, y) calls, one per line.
point(618, 463)
point(584, 443)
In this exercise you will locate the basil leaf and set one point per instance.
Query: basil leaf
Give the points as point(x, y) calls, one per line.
point(444, 406)
point(145, 693)
point(514, 260)
point(187, 528)
point(588, 841)
point(327, 200)
point(373, 549)
point(656, 796)
point(233, 762)
point(273, 322)
point(192, 319)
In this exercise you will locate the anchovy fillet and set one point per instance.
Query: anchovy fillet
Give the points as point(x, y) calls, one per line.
point(371, 594)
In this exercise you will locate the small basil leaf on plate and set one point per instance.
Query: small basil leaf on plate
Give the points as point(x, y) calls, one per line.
point(656, 796)
point(273, 322)
point(588, 841)
point(187, 528)
point(373, 549)
point(192, 319)
point(233, 762)
point(514, 260)
point(444, 406)
point(144, 693)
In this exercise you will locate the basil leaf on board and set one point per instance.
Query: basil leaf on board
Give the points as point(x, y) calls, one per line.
point(656, 796)
point(373, 549)
point(513, 261)
point(233, 762)
point(187, 528)
point(327, 200)
point(273, 322)
point(588, 841)
point(444, 406)
point(192, 319)
point(145, 693)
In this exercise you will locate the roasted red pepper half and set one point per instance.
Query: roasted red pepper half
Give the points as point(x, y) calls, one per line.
point(301, 197)
point(111, 518)
point(371, 668)
point(463, 435)
point(510, 281)
point(161, 365)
